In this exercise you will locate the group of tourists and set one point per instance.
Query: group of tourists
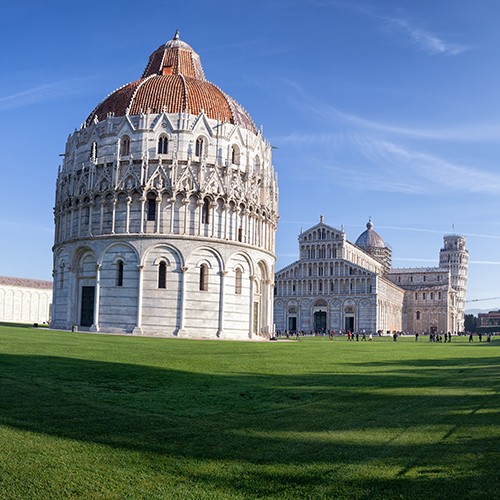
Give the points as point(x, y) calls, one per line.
point(352, 336)
point(480, 337)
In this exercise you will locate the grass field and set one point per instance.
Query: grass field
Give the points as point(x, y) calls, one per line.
point(110, 417)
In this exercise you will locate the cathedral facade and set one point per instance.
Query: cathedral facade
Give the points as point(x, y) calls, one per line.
point(341, 286)
point(166, 211)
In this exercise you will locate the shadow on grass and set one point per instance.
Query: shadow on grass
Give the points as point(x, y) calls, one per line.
point(278, 432)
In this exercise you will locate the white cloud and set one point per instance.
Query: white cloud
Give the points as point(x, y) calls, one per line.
point(42, 93)
point(431, 169)
point(422, 39)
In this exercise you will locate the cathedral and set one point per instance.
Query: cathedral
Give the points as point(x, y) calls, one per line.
point(166, 211)
point(343, 286)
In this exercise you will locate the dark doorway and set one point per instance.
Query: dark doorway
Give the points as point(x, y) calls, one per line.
point(292, 323)
point(320, 320)
point(87, 316)
point(349, 324)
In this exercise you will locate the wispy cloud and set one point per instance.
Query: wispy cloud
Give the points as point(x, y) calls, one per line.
point(415, 34)
point(302, 101)
point(432, 169)
point(45, 92)
point(21, 226)
point(422, 39)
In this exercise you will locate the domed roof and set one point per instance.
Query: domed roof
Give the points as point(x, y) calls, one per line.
point(370, 238)
point(173, 81)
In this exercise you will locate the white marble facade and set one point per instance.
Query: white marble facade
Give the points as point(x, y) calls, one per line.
point(338, 285)
point(165, 221)
point(25, 300)
point(335, 286)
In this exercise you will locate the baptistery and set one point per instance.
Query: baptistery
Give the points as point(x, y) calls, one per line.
point(166, 211)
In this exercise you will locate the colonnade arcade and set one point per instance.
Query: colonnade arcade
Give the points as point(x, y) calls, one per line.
point(121, 285)
point(163, 212)
point(324, 286)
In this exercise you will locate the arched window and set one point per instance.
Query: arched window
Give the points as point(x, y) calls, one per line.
point(162, 275)
point(205, 211)
point(204, 277)
point(125, 146)
point(151, 209)
point(163, 145)
point(238, 281)
point(119, 274)
point(198, 151)
point(235, 155)
point(418, 314)
point(240, 235)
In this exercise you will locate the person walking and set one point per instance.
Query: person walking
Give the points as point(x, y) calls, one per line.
point(471, 337)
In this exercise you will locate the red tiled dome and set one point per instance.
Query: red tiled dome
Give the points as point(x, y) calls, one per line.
point(173, 81)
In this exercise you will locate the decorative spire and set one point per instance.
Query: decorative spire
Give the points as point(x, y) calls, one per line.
point(176, 36)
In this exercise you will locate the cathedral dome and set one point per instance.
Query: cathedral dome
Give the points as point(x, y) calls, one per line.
point(173, 82)
point(370, 238)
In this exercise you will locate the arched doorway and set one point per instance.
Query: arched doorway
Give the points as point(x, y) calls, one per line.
point(349, 314)
point(320, 320)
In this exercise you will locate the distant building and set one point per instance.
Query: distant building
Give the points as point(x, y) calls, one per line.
point(488, 321)
point(338, 285)
point(25, 300)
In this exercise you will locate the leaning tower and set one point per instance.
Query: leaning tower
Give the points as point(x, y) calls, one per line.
point(455, 257)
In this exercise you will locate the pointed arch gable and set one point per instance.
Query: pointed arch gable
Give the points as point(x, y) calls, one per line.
point(201, 126)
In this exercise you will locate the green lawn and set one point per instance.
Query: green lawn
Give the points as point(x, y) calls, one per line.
point(112, 417)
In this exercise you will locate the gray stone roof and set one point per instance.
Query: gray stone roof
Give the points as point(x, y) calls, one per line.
point(25, 282)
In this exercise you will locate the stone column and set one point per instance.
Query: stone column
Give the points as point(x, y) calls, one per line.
point(252, 279)
point(91, 206)
point(185, 202)
point(158, 213)
point(55, 298)
point(172, 214)
point(101, 222)
point(246, 217)
point(182, 308)
point(212, 218)
point(226, 210)
point(72, 212)
point(138, 328)
point(221, 303)
point(200, 204)
point(127, 222)
point(95, 326)
point(79, 219)
point(113, 217)
point(143, 201)
point(72, 296)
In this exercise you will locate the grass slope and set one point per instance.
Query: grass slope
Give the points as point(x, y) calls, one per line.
point(109, 417)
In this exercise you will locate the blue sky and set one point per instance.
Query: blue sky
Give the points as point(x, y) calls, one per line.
point(387, 109)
